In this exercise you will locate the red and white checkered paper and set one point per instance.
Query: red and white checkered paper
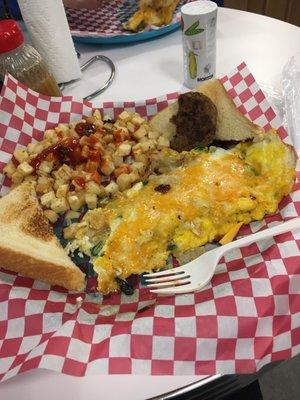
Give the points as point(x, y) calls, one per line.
point(247, 317)
point(107, 20)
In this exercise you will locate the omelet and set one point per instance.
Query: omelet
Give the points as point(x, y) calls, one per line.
point(208, 197)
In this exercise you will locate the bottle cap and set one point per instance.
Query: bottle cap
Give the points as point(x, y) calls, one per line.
point(11, 36)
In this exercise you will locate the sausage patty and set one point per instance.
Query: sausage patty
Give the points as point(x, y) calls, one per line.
point(196, 121)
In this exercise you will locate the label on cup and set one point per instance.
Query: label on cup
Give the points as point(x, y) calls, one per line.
point(199, 21)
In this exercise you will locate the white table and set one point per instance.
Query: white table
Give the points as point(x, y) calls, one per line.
point(145, 70)
point(152, 68)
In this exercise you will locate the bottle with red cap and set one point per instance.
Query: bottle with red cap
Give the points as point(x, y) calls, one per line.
point(23, 62)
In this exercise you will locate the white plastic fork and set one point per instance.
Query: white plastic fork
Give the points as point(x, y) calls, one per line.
point(199, 272)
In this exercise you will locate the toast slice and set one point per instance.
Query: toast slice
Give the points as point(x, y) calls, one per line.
point(232, 125)
point(28, 245)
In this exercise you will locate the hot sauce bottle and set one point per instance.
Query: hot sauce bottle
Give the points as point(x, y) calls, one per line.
point(23, 62)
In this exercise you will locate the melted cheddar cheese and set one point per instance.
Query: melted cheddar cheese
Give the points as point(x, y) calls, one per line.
point(204, 199)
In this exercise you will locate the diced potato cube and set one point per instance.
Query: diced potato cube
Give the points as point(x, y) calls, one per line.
point(139, 167)
point(111, 147)
point(25, 168)
point(85, 151)
point(9, 169)
point(99, 147)
point(122, 169)
point(163, 142)
point(21, 155)
point(46, 166)
point(107, 166)
point(34, 148)
point(121, 134)
point(111, 188)
point(47, 198)
point(51, 215)
point(70, 231)
point(44, 184)
point(124, 149)
point(50, 134)
point(96, 219)
point(84, 140)
point(79, 168)
point(91, 166)
point(57, 184)
point(91, 200)
point(93, 187)
point(117, 160)
point(45, 144)
point(64, 173)
point(139, 133)
point(17, 177)
point(30, 178)
point(141, 158)
point(63, 127)
point(97, 115)
point(75, 202)
point(143, 140)
point(63, 130)
point(124, 181)
point(134, 190)
point(133, 176)
point(168, 134)
point(72, 215)
point(108, 125)
point(30, 148)
point(137, 120)
point(153, 134)
point(73, 133)
point(44, 179)
point(59, 205)
point(152, 177)
point(108, 138)
point(42, 188)
point(62, 191)
point(97, 122)
point(130, 127)
point(137, 148)
point(148, 145)
point(119, 124)
point(124, 116)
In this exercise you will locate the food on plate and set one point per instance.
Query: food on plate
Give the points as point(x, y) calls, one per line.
point(148, 200)
point(27, 242)
point(87, 162)
point(151, 12)
point(195, 121)
point(206, 198)
point(231, 123)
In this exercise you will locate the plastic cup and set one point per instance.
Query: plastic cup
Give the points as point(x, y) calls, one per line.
point(199, 22)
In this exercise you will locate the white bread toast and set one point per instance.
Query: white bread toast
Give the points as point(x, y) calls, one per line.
point(28, 245)
point(231, 123)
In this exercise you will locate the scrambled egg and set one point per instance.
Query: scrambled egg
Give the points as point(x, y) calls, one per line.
point(212, 193)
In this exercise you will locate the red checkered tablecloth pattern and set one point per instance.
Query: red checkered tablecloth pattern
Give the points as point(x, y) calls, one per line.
point(107, 20)
point(247, 317)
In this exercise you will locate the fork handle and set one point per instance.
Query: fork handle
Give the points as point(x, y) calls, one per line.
point(287, 226)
